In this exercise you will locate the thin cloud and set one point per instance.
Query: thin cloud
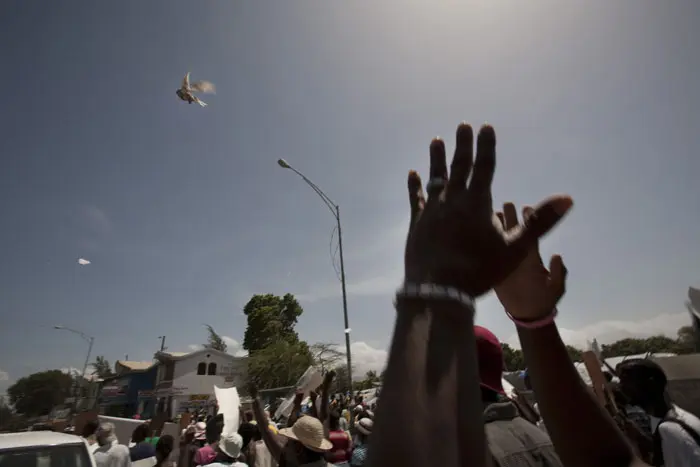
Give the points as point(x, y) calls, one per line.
point(97, 220)
point(381, 284)
point(366, 357)
point(609, 331)
point(381, 257)
point(76, 372)
point(4, 376)
point(233, 347)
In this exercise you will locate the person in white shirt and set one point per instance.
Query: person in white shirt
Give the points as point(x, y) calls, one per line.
point(110, 453)
point(89, 434)
point(676, 431)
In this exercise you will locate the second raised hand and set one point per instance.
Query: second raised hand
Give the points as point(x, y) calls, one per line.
point(454, 238)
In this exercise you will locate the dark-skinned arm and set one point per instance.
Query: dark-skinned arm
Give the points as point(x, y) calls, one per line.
point(296, 409)
point(430, 390)
point(273, 443)
point(314, 410)
point(325, 389)
point(594, 438)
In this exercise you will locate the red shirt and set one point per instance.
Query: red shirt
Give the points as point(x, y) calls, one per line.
point(342, 447)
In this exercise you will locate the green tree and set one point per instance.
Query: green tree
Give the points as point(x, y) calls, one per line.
point(279, 364)
point(576, 355)
point(269, 319)
point(686, 340)
point(326, 355)
point(512, 358)
point(214, 341)
point(368, 382)
point(340, 382)
point(38, 393)
point(101, 367)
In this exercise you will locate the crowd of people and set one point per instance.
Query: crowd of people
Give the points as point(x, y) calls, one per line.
point(443, 402)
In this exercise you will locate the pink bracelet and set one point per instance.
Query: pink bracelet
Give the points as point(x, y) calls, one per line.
point(537, 324)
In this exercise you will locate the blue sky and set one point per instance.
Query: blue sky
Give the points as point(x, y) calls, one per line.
point(185, 214)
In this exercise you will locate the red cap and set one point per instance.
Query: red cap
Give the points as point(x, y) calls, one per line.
point(489, 355)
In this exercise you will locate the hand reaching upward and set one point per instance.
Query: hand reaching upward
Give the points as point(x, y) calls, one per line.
point(530, 292)
point(454, 237)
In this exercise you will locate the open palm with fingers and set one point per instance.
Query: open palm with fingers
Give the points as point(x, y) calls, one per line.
point(530, 292)
point(454, 237)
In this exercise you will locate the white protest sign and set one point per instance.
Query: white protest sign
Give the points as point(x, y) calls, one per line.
point(229, 405)
point(310, 380)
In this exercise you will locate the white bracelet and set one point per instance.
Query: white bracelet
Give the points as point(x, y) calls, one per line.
point(435, 292)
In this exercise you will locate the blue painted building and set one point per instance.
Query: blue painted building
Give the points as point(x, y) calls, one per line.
point(130, 391)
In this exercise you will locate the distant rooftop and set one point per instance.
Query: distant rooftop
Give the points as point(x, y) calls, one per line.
point(133, 365)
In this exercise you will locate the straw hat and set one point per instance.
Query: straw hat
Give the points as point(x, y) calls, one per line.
point(365, 426)
point(231, 444)
point(309, 432)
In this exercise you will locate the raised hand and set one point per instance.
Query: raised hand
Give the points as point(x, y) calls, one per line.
point(530, 292)
point(454, 238)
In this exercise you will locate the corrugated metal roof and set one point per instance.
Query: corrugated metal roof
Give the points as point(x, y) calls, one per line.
point(680, 367)
point(134, 366)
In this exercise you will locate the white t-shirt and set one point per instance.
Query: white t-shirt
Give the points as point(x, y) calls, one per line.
point(679, 447)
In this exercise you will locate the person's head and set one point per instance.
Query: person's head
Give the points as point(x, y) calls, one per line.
point(489, 355)
point(90, 428)
point(164, 447)
point(249, 417)
point(105, 434)
point(214, 428)
point(618, 396)
point(334, 420)
point(306, 442)
point(364, 429)
point(229, 447)
point(643, 381)
point(140, 433)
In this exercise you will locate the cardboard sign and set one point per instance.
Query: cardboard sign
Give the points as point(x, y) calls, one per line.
point(310, 380)
point(229, 405)
point(598, 381)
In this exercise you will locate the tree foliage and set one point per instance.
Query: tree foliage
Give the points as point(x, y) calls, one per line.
point(270, 319)
point(326, 355)
point(38, 393)
point(280, 364)
point(214, 340)
point(512, 358)
point(683, 344)
point(340, 382)
point(101, 367)
point(368, 382)
point(276, 356)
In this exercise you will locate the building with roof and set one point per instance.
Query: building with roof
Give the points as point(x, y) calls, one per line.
point(126, 393)
point(185, 381)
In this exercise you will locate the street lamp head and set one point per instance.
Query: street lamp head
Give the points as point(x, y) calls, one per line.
point(283, 163)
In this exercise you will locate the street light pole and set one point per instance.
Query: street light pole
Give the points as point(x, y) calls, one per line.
point(335, 210)
point(91, 341)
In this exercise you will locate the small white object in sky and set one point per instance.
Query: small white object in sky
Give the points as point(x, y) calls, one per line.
point(83, 262)
point(187, 90)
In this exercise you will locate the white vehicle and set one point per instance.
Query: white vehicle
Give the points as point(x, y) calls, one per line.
point(44, 449)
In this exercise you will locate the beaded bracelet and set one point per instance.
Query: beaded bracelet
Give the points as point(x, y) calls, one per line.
point(435, 292)
point(538, 323)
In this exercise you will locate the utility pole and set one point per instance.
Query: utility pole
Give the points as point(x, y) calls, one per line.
point(162, 343)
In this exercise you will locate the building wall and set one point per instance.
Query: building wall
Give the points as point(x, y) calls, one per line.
point(189, 389)
point(230, 371)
